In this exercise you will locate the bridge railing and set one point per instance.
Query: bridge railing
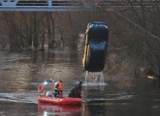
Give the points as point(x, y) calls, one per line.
point(65, 5)
point(13, 3)
point(42, 5)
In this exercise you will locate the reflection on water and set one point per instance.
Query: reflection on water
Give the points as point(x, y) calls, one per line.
point(95, 110)
point(20, 74)
point(55, 110)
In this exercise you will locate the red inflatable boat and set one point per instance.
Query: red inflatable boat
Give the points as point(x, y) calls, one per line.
point(60, 101)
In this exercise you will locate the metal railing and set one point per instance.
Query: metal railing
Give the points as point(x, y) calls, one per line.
point(70, 5)
point(41, 5)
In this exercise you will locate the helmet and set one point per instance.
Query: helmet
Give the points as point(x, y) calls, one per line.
point(80, 82)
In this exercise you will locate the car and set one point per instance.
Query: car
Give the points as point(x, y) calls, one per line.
point(95, 49)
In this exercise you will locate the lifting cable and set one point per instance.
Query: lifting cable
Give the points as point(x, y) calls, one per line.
point(130, 21)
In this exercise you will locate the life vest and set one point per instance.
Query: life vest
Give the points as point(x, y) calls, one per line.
point(59, 85)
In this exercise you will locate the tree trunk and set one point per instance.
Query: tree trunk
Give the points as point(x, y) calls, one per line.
point(50, 30)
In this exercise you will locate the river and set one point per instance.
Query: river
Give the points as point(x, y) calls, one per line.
point(21, 72)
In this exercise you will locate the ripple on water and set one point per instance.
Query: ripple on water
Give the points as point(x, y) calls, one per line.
point(111, 98)
point(19, 97)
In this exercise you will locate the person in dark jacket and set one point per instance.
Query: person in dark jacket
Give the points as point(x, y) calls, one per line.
point(76, 91)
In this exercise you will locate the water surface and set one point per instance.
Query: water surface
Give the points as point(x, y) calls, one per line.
point(20, 74)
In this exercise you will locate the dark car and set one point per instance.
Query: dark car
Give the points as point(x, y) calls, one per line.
point(95, 50)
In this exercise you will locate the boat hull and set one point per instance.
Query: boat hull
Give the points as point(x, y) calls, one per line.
point(60, 101)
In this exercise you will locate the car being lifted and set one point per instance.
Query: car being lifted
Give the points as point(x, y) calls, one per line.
point(95, 49)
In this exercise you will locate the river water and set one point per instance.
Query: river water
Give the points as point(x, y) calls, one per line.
point(20, 74)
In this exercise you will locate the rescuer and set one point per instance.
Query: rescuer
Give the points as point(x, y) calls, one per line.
point(76, 91)
point(58, 88)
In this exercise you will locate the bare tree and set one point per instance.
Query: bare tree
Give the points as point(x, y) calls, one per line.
point(50, 26)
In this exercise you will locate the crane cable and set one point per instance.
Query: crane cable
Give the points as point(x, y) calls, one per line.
point(130, 21)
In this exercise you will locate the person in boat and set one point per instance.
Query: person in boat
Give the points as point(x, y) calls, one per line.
point(76, 91)
point(58, 88)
